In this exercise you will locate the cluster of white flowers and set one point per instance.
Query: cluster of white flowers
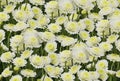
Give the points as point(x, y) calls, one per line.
point(59, 40)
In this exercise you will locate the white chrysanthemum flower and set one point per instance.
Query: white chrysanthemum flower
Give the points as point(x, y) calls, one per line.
point(9, 27)
point(51, 47)
point(30, 14)
point(102, 64)
point(66, 6)
point(65, 55)
point(72, 27)
point(112, 38)
point(78, 46)
point(19, 62)
point(103, 3)
point(111, 72)
point(16, 78)
point(37, 12)
point(102, 27)
point(89, 24)
point(113, 57)
point(37, 61)
point(84, 4)
point(2, 35)
point(104, 76)
point(94, 75)
point(67, 77)
point(117, 44)
point(115, 14)
point(16, 43)
point(4, 16)
point(114, 3)
point(25, 7)
point(61, 20)
point(84, 75)
point(46, 78)
point(48, 36)
point(96, 51)
point(4, 47)
point(84, 35)
point(31, 38)
point(93, 41)
point(6, 72)
point(20, 26)
point(43, 21)
point(118, 74)
point(102, 71)
point(9, 8)
point(19, 15)
point(106, 11)
point(7, 57)
point(18, 1)
point(80, 56)
point(115, 25)
point(37, 2)
point(106, 46)
point(54, 28)
point(95, 16)
point(81, 24)
point(31, 41)
point(28, 73)
point(53, 71)
point(26, 53)
point(74, 69)
point(32, 23)
point(51, 7)
point(54, 58)
point(46, 60)
point(66, 41)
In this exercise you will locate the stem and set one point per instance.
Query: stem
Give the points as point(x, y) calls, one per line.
point(0, 4)
point(44, 76)
point(7, 2)
point(58, 12)
point(27, 79)
point(109, 31)
point(26, 1)
point(72, 17)
point(32, 79)
point(112, 65)
point(52, 17)
point(8, 40)
point(17, 51)
point(103, 35)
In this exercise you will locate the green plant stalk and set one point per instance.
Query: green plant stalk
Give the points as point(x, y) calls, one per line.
point(112, 65)
point(7, 2)
point(26, 1)
point(27, 79)
point(8, 40)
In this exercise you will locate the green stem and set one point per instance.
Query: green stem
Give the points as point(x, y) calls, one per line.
point(118, 64)
point(27, 79)
point(32, 79)
point(7, 2)
point(112, 65)
point(8, 40)
point(109, 31)
point(72, 17)
point(0, 5)
point(26, 1)
point(103, 36)
point(17, 51)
